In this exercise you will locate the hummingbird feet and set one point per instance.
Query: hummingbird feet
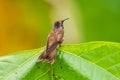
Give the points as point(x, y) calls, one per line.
point(60, 42)
point(52, 60)
point(59, 45)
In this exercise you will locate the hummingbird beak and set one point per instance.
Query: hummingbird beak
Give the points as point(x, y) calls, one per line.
point(65, 19)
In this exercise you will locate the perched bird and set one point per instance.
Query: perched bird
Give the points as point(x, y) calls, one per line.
point(55, 38)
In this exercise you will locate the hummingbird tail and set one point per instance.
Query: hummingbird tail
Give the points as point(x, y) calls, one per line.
point(42, 56)
point(47, 58)
point(51, 57)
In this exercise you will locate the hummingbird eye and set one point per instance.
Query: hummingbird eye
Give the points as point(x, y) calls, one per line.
point(57, 25)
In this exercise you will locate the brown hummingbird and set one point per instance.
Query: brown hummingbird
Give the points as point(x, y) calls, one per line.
point(55, 38)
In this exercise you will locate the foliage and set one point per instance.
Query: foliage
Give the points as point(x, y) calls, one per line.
point(86, 61)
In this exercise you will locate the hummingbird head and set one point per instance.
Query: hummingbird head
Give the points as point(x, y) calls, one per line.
point(59, 24)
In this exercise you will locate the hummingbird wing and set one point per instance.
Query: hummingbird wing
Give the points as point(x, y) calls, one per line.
point(54, 39)
point(50, 52)
point(51, 42)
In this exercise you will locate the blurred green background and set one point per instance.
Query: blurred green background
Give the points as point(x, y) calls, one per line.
point(25, 24)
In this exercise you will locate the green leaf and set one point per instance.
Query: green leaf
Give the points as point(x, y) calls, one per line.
point(86, 61)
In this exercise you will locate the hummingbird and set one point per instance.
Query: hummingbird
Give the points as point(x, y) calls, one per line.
point(55, 39)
